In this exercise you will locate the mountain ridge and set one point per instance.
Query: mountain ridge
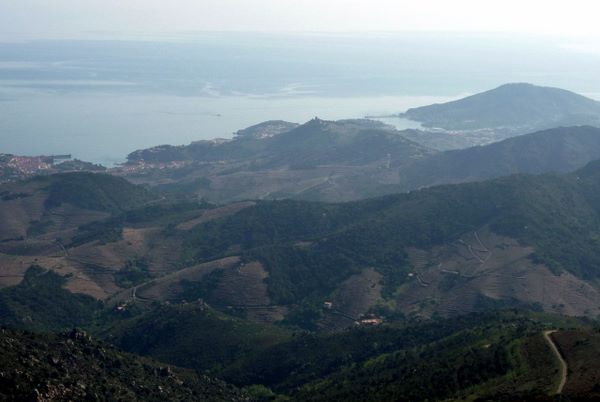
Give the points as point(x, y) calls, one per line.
point(559, 150)
point(516, 106)
point(333, 161)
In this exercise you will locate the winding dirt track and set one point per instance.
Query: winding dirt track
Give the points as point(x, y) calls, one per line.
point(563, 363)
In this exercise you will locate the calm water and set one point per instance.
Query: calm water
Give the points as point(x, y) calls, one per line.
point(106, 127)
point(100, 100)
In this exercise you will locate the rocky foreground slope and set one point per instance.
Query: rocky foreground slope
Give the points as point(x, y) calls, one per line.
point(73, 367)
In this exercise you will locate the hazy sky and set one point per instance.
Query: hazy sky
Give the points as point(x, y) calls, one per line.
point(85, 18)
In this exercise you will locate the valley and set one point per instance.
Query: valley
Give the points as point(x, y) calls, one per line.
point(309, 262)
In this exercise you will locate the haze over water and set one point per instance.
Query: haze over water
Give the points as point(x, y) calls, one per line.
point(100, 100)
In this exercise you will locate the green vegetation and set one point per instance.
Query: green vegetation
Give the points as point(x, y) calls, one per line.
point(472, 356)
point(430, 372)
point(558, 215)
point(561, 149)
point(192, 335)
point(281, 160)
point(312, 356)
point(201, 289)
point(106, 231)
point(39, 302)
point(349, 160)
point(111, 229)
point(580, 350)
point(79, 165)
point(167, 213)
point(309, 249)
point(133, 273)
point(511, 105)
point(70, 366)
point(94, 191)
point(39, 227)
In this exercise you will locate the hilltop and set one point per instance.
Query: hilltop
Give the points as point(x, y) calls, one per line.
point(515, 107)
point(281, 144)
point(320, 159)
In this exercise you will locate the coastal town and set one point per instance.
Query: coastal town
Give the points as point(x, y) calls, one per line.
point(15, 167)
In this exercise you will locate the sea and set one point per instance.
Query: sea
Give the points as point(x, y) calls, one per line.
point(100, 99)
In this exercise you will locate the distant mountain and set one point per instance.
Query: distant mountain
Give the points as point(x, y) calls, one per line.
point(247, 143)
point(282, 144)
point(266, 129)
point(559, 150)
point(348, 142)
point(314, 157)
point(349, 160)
point(445, 141)
point(516, 107)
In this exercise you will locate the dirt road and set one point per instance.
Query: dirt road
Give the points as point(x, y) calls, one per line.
point(563, 363)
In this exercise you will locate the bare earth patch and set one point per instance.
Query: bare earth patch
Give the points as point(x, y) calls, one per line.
point(211, 214)
point(355, 297)
point(483, 267)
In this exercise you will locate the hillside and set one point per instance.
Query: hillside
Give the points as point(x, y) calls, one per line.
point(246, 143)
point(192, 335)
point(271, 143)
point(71, 366)
point(514, 106)
point(495, 356)
point(347, 142)
point(466, 359)
point(322, 160)
point(417, 292)
point(580, 351)
point(41, 303)
point(520, 241)
point(560, 150)
point(459, 247)
point(44, 216)
point(344, 161)
point(53, 203)
point(474, 356)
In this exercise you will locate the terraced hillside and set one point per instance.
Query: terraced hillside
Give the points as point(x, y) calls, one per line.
point(42, 217)
point(519, 241)
point(333, 293)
